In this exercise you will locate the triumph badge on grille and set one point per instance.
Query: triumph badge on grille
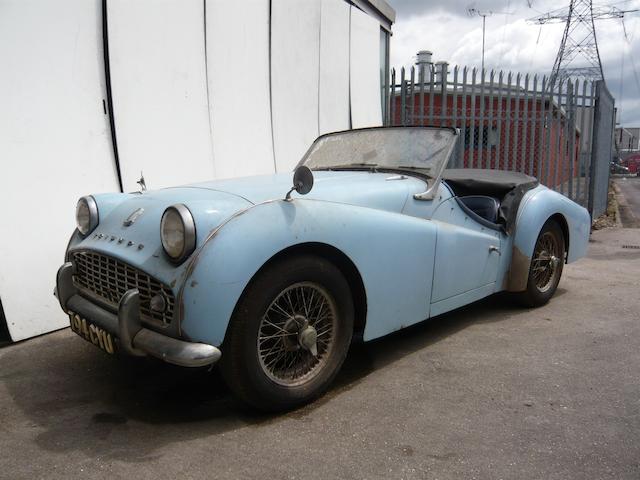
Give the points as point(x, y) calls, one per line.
point(133, 217)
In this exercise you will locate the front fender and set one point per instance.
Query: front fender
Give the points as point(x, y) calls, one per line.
point(536, 208)
point(393, 253)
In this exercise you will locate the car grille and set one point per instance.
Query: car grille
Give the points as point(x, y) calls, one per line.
point(108, 279)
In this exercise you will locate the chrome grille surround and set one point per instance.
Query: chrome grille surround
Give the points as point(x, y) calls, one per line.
point(108, 279)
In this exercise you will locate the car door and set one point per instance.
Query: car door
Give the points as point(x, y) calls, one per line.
point(467, 258)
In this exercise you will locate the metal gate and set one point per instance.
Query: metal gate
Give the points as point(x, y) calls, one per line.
point(603, 126)
point(561, 134)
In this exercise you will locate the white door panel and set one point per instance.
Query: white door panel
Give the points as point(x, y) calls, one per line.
point(366, 105)
point(55, 146)
point(334, 66)
point(295, 57)
point(238, 73)
point(159, 90)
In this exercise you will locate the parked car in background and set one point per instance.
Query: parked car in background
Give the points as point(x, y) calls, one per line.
point(618, 168)
point(274, 285)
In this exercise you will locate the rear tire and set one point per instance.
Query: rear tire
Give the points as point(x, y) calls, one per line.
point(268, 356)
point(546, 266)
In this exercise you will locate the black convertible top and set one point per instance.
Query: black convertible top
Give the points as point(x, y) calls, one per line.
point(508, 187)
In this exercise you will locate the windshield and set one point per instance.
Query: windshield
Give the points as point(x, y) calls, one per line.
point(424, 150)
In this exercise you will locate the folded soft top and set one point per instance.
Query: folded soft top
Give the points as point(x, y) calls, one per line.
point(508, 187)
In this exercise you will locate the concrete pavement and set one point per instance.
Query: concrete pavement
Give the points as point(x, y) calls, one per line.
point(629, 201)
point(490, 391)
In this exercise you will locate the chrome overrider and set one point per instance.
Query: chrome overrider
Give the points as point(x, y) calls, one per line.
point(134, 339)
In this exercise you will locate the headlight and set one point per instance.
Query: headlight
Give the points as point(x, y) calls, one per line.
point(178, 232)
point(86, 215)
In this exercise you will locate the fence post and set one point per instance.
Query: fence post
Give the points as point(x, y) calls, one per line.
point(532, 127)
point(463, 122)
point(444, 73)
point(506, 159)
point(601, 153)
point(432, 81)
point(524, 124)
point(583, 152)
point(412, 98)
point(421, 106)
point(500, 119)
point(490, 120)
point(472, 123)
point(392, 101)
point(481, 114)
point(516, 122)
point(403, 98)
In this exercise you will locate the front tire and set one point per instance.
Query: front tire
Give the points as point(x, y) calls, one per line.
point(289, 334)
point(546, 266)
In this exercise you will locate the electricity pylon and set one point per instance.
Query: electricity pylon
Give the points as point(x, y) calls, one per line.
point(578, 55)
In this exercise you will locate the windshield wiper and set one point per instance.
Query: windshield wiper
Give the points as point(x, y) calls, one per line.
point(346, 166)
point(417, 169)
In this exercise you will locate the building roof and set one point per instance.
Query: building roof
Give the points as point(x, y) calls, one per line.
point(378, 8)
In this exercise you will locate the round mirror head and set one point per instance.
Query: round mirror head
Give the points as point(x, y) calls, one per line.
point(303, 180)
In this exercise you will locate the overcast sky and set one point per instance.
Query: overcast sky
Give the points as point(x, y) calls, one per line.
point(445, 28)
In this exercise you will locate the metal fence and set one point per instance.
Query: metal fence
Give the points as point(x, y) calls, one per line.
point(562, 134)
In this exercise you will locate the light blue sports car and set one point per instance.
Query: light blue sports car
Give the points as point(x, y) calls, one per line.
point(274, 285)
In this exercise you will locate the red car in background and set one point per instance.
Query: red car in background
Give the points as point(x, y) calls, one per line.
point(633, 163)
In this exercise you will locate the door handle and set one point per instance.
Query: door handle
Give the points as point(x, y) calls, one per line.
point(493, 248)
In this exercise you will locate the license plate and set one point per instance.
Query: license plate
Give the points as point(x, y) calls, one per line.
point(92, 333)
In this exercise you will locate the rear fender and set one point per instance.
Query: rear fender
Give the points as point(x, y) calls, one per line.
point(538, 206)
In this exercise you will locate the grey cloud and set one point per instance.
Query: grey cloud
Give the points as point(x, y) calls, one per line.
point(407, 8)
point(421, 24)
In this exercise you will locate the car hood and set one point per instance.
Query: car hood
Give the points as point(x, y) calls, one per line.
point(385, 191)
point(213, 203)
point(139, 243)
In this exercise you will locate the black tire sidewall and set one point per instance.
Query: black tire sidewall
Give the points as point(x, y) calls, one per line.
point(241, 365)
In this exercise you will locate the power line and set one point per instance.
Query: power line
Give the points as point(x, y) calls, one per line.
point(578, 55)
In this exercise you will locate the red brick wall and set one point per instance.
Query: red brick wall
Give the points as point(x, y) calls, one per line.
point(506, 154)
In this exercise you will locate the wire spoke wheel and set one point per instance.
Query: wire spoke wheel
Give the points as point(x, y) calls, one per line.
point(546, 258)
point(289, 334)
point(296, 334)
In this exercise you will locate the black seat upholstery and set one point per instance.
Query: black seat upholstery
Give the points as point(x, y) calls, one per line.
point(484, 206)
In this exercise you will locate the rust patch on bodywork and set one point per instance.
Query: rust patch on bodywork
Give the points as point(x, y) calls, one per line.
point(519, 271)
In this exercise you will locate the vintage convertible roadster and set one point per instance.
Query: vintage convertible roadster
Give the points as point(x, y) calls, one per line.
point(274, 286)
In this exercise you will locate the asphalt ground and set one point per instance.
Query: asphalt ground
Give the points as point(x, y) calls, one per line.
point(629, 201)
point(486, 392)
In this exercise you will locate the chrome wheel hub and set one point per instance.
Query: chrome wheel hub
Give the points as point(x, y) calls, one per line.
point(546, 261)
point(296, 334)
point(307, 338)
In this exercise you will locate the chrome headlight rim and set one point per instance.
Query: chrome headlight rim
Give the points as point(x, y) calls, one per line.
point(94, 216)
point(189, 227)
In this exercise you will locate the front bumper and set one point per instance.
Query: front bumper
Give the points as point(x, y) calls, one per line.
point(134, 339)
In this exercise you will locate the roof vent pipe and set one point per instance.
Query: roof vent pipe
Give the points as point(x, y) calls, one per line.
point(423, 57)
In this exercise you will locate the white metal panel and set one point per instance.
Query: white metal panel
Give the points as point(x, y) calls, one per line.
point(54, 147)
point(239, 95)
point(159, 89)
point(295, 58)
point(334, 67)
point(366, 101)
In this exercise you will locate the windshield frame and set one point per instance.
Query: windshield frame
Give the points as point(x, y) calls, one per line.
point(431, 181)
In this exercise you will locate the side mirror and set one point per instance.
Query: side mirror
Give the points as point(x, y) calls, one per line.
point(302, 181)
